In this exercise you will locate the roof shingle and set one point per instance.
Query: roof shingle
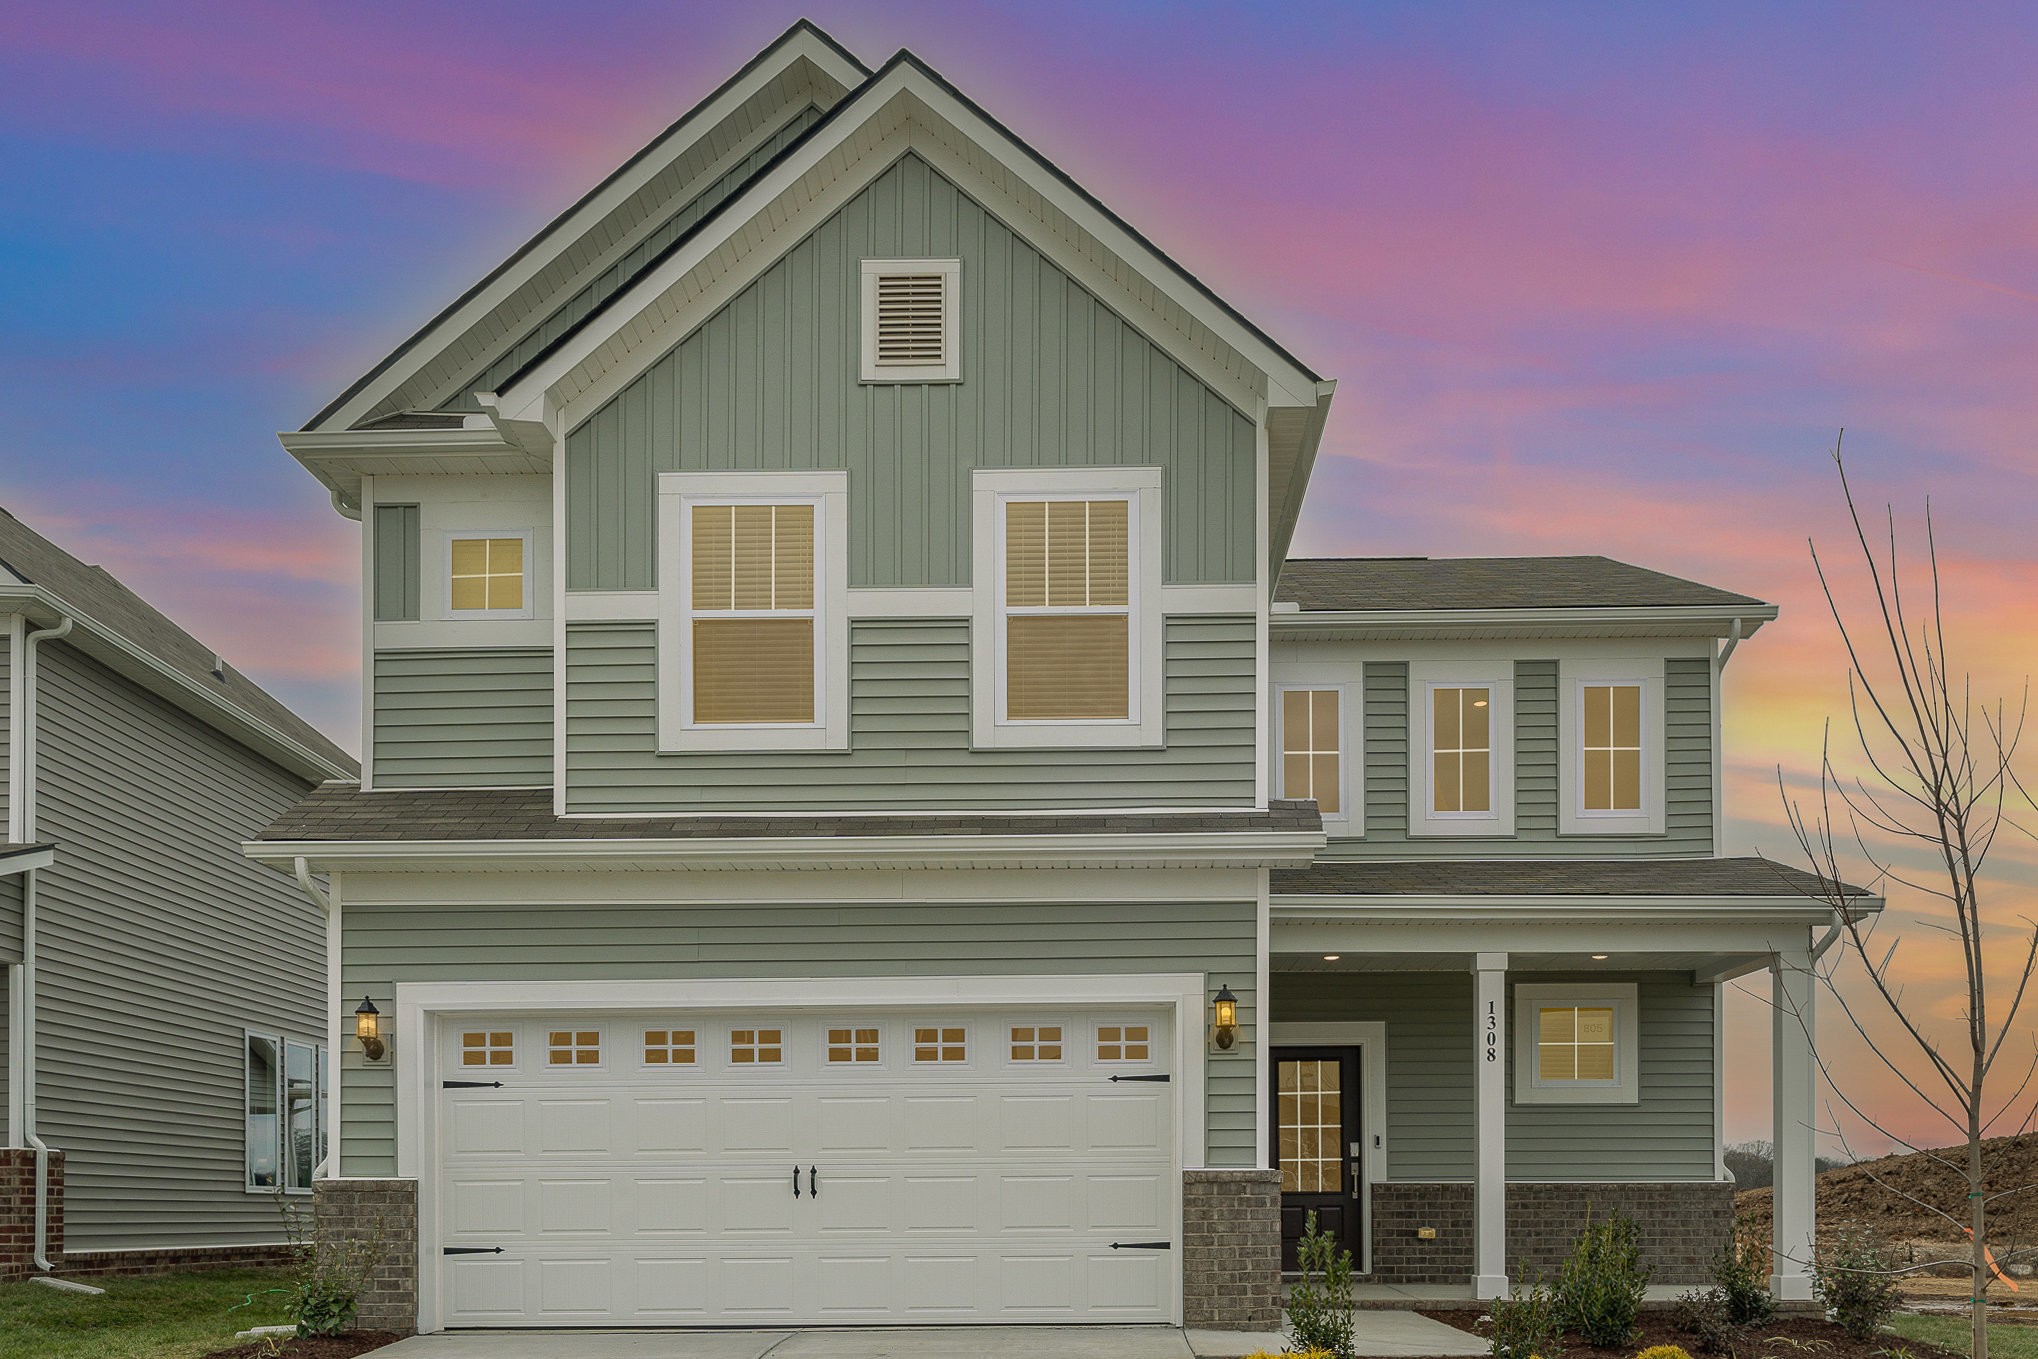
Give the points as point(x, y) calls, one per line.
point(1741, 877)
point(1401, 583)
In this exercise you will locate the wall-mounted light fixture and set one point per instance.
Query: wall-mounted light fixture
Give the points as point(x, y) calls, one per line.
point(368, 1028)
point(1224, 1013)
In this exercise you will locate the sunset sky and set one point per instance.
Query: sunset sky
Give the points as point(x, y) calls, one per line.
point(1593, 278)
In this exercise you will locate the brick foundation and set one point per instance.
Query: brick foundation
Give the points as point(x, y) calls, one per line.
point(384, 1211)
point(1681, 1226)
point(17, 1211)
point(1231, 1249)
point(172, 1261)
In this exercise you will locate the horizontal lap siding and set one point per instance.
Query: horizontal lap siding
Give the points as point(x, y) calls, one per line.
point(386, 945)
point(1687, 769)
point(1431, 1122)
point(463, 718)
point(909, 719)
point(1050, 377)
point(159, 943)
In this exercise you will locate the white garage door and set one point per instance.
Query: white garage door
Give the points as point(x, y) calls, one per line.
point(746, 1169)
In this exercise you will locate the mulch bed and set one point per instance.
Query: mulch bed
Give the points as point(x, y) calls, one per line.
point(316, 1347)
point(1783, 1338)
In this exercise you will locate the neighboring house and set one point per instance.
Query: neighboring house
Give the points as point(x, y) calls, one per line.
point(165, 1011)
point(859, 822)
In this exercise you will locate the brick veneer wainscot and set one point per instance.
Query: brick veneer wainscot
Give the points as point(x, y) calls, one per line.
point(17, 1211)
point(1231, 1249)
point(383, 1211)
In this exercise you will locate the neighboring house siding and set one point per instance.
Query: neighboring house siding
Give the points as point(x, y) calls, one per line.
point(399, 574)
point(1431, 1122)
point(391, 944)
point(475, 718)
point(1687, 769)
point(909, 725)
point(1050, 377)
point(570, 312)
point(158, 944)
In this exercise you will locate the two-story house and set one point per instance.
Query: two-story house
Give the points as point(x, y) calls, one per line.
point(860, 822)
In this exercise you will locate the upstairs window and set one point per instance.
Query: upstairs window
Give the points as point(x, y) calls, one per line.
point(1312, 767)
point(1068, 610)
point(1611, 732)
point(1461, 748)
point(488, 574)
point(1612, 747)
point(754, 629)
point(909, 320)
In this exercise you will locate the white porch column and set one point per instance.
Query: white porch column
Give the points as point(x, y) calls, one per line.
point(1794, 1109)
point(1489, 1194)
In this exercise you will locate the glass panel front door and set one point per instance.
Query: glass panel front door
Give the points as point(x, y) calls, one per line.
point(1317, 1144)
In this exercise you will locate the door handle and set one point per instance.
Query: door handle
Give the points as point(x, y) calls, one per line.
point(813, 1182)
point(796, 1181)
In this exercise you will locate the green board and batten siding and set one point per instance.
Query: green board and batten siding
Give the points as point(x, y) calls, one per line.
point(463, 718)
point(909, 723)
point(1668, 1135)
point(1687, 769)
point(399, 575)
point(388, 945)
point(1050, 377)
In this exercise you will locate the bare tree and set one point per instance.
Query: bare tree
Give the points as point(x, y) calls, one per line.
point(1936, 786)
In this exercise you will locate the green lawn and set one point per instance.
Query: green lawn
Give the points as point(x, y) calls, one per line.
point(166, 1316)
point(2004, 1342)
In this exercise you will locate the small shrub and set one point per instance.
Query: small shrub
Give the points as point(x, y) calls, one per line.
point(327, 1272)
point(1320, 1303)
point(1741, 1273)
point(1528, 1324)
point(1663, 1352)
point(1601, 1287)
point(1854, 1280)
point(1707, 1317)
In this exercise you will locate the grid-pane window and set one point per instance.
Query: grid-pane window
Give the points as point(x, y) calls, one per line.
point(851, 1047)
point(1461, 749)
point(1124, 1043)
point(1612, 747)
point(1068, 613)
point(487, 573)
point(488, 1047)
point(669, 1047)
point(1575, 1043)
point(1309, 747)
point(756, 1047)
point(939, 1045)
point(1310, 1123)
point(1036, 1042)
point(751, 592)
point(573, 1047)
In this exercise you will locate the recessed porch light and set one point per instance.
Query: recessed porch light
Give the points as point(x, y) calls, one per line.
point(1332, 957)
point(1600, 957)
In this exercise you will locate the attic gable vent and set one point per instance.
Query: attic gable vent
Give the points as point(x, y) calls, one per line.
point(909, 320)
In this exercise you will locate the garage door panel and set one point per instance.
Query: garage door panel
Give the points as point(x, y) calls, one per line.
point(755, 1126)
point(573, 1127)
point(938, 1123)
point(484, 1127)
point(484, 1289)
point(667, 1127)
point(576, 1288)
point(672, 1205)
point(853, 1285)
point(672, 1288)
point(1128, 1204)
point(856, 1125)
point(755, 1205)
point(754, 1286)
point(853, 1204)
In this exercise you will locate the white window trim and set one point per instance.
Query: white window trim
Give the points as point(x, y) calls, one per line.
point(1423, 678)
point(950, 367)
point(319, 1129)
point(1625, 1088)
point(1145, 726)
point(1351, 730)
point(884, 1044)
point(828, 492)
point(449, 614)
point(1572, 678)
point(573, 1028)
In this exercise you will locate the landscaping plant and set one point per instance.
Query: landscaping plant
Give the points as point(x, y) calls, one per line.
point(1741, 1273)
point(1527, 1324)
point(328, 1272)
point(1855, 1281)
point(1663, 1352)
point(1707, 1317)
point(1320, 1303)
point(1600, 1290)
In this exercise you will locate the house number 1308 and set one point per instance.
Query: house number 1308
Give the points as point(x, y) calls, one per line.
point(1492, 1033)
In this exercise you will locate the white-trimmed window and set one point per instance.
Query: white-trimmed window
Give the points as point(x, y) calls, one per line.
point(756, 1047)
point(1037, 1042)
point(488, 1047)
point(752, 632)
point(940, 1044)
point(1461, 748)
point(910, 310)
point(284, 1113)
point(1124, 1043)
point(853, 1045)
point(488, 573)
point(670, 1047)
point(1575, 1043)
point(573, 1047)
point(1611, 734)
point(1312, 737)
point(1071, 559)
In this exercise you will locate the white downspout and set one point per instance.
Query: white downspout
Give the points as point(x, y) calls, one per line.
point(301, 870)
point(27, 1035)
point(17, 1019)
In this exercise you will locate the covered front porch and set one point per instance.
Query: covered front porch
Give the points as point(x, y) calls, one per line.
point(1471, 1059)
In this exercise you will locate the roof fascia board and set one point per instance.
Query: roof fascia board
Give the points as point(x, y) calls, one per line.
point(1498, 909)
point(1290, 511)
point(111, 647)
point(1400, 624)
point(1381, 938)
point(803, 41)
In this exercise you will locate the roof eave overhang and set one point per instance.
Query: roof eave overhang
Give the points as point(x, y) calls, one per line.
point(341, 458)
point(1354, 625)
point(26, 859)
point(1498, 910)
point(112, 649)
point(1213, 849)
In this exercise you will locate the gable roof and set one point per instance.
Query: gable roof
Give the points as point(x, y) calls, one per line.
point(136, 638)
point(1408, 583)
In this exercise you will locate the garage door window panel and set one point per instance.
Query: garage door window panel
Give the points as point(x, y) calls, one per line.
point(753, 1047)
point(670, 1047)
point(940, 1045)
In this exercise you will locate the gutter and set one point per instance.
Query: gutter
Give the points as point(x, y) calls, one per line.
point(21, 818)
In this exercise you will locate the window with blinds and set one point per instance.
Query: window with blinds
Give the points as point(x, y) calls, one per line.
point(1068, 610)
point(751, 592)
point(909, 320)
point(1309, 748)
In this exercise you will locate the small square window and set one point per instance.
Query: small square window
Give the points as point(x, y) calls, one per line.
point(756, 1047)
point(939, 1045)
point(485, 573)
point(573, 1047)
point(1576, 1045)
point(852, 1046)
point(669, 1047)
point(1036, 1043)
point(1124, 1043)
point(487, 1047)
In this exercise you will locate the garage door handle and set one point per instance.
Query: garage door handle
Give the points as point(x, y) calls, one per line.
point(796, 1181)
point(1163, 1076)
point(1142, 1245)
point(473, 1250)
point(813, 1183)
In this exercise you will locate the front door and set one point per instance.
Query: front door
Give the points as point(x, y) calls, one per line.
point(1317, 1141)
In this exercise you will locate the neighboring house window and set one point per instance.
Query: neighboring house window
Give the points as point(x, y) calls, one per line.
point(1036, 1042)
point(1067, 593)
point(1461, 751)
point(1311, 740)
point(939, 1045)
point(852, 1047)
point(669, 1047)
point(488, 574)
point(752, 611)
point(1611, 732)
point(1124, 1043)
point(909, 320)
point(284, 1113)
point(1576, 1044)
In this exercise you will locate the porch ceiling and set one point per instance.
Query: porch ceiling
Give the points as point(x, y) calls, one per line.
point(1700, 964)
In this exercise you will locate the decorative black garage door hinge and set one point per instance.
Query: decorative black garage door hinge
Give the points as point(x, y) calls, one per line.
point(1142, 1245)
point(1163, 1076)
point(470, 1085)
point(473, 1250)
